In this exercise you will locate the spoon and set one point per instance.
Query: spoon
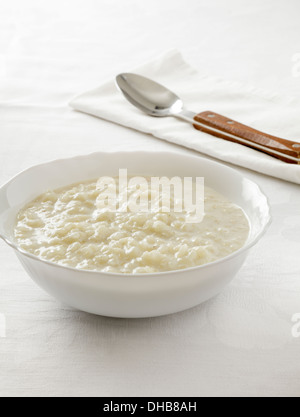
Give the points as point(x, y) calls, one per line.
point(156, 100)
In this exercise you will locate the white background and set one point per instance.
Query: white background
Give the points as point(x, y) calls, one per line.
point(241, 342)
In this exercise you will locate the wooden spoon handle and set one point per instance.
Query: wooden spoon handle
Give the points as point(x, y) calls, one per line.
point(282, 149)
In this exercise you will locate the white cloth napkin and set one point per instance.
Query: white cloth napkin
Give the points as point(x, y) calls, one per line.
point(264, 111)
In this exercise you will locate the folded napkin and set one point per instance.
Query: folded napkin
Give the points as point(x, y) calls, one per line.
point(267, 112)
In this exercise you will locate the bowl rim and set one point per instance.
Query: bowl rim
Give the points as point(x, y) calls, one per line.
point(244, 248)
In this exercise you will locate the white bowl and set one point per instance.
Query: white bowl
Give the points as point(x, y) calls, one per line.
point(145, 295)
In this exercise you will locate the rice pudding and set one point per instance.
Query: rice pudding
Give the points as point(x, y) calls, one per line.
point(67, 227)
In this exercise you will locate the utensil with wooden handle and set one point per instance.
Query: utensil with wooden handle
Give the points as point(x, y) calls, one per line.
point(156, 100)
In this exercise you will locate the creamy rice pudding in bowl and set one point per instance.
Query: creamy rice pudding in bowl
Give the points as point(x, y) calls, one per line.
point(137, 263)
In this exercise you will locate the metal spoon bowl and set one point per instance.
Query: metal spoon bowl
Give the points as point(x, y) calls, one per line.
point(149, 96)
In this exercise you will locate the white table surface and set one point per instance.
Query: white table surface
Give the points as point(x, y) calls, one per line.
point(238, 344)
